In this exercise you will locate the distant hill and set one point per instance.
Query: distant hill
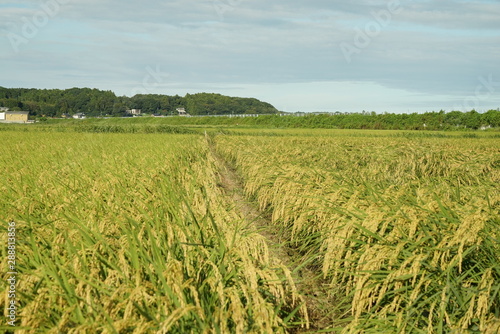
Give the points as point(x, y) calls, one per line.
point(95, 102)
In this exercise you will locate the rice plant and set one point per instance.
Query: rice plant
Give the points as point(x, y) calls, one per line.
point(408, 229)
point(129, 233)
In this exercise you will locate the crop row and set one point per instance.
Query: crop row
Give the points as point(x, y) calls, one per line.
point(406, 230)
point(131, 234)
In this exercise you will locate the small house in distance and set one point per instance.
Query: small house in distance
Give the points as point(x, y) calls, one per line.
point(14, 116)
point(182, 112)
point(134, 112)
point(79, 115)
point(3, 109)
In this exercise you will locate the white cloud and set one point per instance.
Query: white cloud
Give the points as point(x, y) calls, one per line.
point(432, 50)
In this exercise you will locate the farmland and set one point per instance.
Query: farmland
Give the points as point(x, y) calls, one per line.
point(406, 230)
point(154, 229)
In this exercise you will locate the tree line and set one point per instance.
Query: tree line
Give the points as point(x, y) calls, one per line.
point(95, 102)
point(455, 120)
point(440, 120)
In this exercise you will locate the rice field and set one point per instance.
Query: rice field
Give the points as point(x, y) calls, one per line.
point(133, 233)
point(130, 234)
point(406, 230)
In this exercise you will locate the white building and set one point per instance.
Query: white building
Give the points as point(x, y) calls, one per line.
point(134, 111)
point(14, 116)
point(182, 112)
point(79, 115)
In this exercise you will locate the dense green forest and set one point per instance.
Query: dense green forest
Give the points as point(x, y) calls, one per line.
point(94, 102)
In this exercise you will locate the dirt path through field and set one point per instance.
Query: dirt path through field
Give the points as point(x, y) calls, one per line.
point(309, 282)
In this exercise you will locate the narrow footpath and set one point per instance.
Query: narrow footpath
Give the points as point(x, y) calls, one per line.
point(309, 283)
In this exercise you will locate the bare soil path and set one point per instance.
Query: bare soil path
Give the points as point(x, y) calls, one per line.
point(308, 281)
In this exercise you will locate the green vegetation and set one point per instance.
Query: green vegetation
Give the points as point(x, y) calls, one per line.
point(216, 104)
point(94, 102)
point(129, 233)
point(47, 103)
point(406, 230)
point(455, 120)
point(124, 226)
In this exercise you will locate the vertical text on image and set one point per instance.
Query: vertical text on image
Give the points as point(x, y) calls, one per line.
point(11, 274)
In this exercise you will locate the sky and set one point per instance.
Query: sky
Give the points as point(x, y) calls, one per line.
point(309, 55)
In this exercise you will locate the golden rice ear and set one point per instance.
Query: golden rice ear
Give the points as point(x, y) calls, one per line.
point(392, 220)
point(131, 233)
point(136, 232)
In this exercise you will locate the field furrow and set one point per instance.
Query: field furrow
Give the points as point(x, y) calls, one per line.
point(131, 234)
point(408, 231)
point(159, 229)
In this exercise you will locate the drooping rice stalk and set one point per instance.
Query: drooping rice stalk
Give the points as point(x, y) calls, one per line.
point(409, 230)
point(130, 234)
